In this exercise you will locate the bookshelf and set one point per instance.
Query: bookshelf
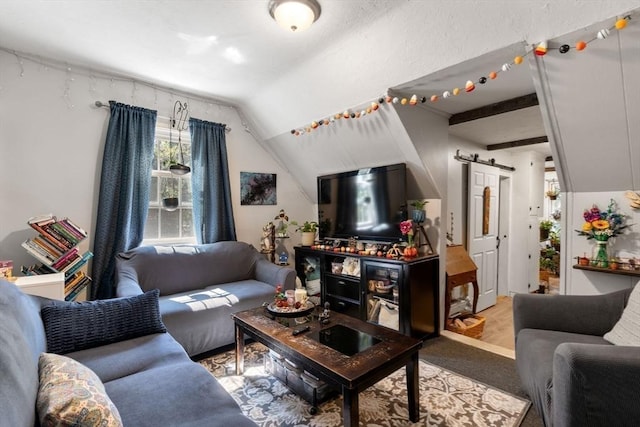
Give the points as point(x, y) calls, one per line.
point(44, 285)
point(56, 249)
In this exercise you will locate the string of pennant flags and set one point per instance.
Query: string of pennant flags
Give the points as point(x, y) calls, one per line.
point(540, 50)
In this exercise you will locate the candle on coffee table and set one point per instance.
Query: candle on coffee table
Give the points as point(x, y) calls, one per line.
point(301, 295)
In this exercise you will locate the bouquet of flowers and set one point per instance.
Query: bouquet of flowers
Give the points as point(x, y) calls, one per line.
point(602, 225)
point(406, 228)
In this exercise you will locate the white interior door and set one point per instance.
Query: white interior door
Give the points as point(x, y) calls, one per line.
point(482, 223)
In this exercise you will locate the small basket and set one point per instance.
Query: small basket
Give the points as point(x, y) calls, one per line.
point(472, 331)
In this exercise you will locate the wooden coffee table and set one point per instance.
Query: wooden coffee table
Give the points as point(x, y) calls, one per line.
point(350, 368)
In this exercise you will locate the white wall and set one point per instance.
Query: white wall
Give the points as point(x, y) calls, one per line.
point(52, 139)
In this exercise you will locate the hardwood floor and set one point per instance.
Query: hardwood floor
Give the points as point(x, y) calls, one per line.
point(497, 335)
point(498, 327)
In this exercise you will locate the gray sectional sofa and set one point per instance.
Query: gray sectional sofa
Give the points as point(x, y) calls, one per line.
point(578, 357)
point(146, 374)
point(201, 286)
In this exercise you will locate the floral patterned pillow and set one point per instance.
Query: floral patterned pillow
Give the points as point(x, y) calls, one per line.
point(70, 394)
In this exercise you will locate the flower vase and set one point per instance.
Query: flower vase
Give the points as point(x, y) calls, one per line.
point(600, 256)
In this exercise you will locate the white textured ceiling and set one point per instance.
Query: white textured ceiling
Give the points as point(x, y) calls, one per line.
point(232, 50)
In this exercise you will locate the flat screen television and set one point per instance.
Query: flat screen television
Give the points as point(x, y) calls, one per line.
point(367, 203)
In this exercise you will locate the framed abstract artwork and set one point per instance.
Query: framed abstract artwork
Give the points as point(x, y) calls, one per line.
point(257, 188)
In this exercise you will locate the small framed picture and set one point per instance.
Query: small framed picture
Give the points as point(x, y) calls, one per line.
point(258, 188)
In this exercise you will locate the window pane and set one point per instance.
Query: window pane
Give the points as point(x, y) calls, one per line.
point(170, 224)
point(186, 153)
point(151, 227)
point(185, 195)
point(162, 225)
point(187, 223)
point(169, 187)
point(153, 193)
point(154, 164)
point(167, 153)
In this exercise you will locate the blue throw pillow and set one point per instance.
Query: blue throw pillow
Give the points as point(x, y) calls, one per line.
point(74, 326)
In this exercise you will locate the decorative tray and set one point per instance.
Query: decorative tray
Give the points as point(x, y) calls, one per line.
point(290, 311)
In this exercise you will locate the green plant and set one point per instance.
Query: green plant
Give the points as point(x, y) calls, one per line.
point(546, 225)
point(554, 239)
point(549, 260)
point(306, 227)
point(418, 204)
point(546, 264)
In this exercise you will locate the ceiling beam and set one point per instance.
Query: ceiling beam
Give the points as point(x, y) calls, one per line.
point(518, 143)
point(502, 107)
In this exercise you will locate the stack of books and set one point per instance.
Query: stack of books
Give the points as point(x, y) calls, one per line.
point(56, 249)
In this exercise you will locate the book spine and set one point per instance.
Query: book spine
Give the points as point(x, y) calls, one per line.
point(43, 269)
point(40, 218)
point(50, 238)
point(79, 287)
point(58, 237)
point(53, 250)
point(69, 265)
point(72, 231)
point(85, 257)
point(72, 282)
point(36, 269)
point(37, 255)
point(42, 251)
point(66, 259)
point(66, 235)
point(74, 226)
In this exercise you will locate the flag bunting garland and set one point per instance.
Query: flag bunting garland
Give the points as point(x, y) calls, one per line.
point(540, 50)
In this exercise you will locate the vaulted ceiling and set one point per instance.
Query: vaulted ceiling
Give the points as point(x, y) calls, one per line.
point(232, 51)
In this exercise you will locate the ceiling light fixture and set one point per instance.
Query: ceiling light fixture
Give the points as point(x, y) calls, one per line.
point(294, 15)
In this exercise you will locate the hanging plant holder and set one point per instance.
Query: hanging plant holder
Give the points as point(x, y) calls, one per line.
point(179, 122)
point(179, 169)
point(170, 193)
point(170, 204)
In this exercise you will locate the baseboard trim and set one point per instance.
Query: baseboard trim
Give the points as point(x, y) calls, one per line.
point(505, 352)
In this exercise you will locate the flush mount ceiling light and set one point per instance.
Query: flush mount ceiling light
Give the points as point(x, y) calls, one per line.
point(294, 15)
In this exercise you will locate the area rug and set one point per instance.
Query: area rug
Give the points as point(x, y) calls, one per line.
point(446, 399)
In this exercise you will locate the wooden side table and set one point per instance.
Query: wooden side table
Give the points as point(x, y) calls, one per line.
point(460, 270)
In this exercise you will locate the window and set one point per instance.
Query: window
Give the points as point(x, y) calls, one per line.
point(165, 226)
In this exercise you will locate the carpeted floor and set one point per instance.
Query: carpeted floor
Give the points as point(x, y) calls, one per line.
point(454, 399)
point(483, 366)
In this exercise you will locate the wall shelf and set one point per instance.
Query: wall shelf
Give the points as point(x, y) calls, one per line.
point(622, 272)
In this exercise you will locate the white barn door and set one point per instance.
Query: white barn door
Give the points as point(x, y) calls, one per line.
point(482, 229)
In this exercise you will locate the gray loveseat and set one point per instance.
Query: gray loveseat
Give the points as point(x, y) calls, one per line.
point(571, 373)
point(147, 376)
point(201, 286)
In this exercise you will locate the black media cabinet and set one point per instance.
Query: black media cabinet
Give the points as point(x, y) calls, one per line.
point(413, 309)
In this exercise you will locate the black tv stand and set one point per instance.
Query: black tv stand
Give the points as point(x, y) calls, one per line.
point(402, 294)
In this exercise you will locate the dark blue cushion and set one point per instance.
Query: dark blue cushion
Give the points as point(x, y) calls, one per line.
point(74, 326)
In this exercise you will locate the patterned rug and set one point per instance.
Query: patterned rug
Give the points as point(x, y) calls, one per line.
point(446, 398)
